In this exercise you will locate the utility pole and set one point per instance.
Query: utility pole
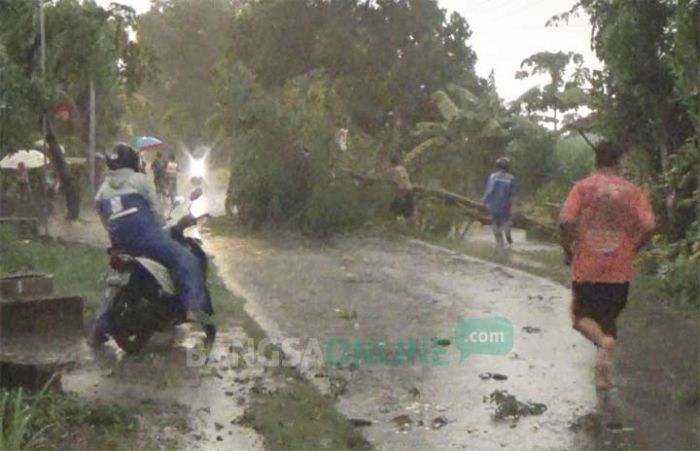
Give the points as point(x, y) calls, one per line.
point(42, 35)
point(91, 144)
point(42, 31)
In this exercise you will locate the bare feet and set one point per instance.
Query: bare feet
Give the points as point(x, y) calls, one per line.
point(602, 370)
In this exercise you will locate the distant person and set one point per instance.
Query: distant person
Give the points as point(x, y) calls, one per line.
point(403, 204)
point(158, 169)
point(23, 187)
point(171, 171)
point(100, 161)
point(51, 186)
point(604, 222)
point(498, 198)
point(341, 137)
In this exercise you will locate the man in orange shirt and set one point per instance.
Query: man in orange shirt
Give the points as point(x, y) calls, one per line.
point(604, 222)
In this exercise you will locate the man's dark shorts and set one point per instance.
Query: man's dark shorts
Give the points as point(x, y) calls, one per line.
point(601, 302)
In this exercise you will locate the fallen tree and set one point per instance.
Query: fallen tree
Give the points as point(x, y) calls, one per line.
point(473, 209)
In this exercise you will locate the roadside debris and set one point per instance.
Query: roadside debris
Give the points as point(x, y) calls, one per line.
point(402, 420)
point(360, 422)
point(531, 330)
point(344, 314)
point(495, 376)
point(441, 341)
point(337, 386)
point(508, 406)
point(438, 422)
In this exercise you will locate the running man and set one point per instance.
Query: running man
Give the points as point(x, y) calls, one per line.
point(605, 220)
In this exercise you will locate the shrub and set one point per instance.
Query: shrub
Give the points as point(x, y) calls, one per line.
point(285, 170)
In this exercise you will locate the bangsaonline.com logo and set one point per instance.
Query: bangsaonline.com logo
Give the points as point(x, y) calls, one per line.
point(486, 336)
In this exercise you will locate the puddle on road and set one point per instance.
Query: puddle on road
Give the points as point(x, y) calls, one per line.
point(208, 401)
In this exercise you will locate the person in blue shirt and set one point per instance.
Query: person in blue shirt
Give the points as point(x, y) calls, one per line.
point(130, 211)
point(498, 198)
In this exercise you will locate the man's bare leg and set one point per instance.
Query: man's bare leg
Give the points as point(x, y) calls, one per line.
point(592, 330)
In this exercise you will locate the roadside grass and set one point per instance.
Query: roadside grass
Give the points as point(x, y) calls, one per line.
point(297, 417)
point(50, 421)
point(78, 269)
point(47, 420)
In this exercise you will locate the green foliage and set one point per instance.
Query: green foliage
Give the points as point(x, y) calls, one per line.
point(574, 159)
point(69, 263)
point(16, 421)
point(370, 66)
point(277, 417)
point(533, 154)
point(17, 106)
point(678, 260)
point(647, 97)
point(384, 59)
point(84, 43)
point(559, 95)
point(465, 144)
point(284, 168)
point(188, 39)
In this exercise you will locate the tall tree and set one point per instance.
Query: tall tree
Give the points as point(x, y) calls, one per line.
point(559, 94)
point(474, 129)
point(188, 38)
point(384, 58)
point(647, 93)
point(85, 44)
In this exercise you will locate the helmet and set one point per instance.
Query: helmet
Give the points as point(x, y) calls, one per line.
point(503, 163)
point(123, 156)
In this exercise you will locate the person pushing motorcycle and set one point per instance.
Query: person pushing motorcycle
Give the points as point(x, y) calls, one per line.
point(131, 212)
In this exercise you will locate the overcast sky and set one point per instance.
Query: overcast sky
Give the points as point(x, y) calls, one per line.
point(504, 32)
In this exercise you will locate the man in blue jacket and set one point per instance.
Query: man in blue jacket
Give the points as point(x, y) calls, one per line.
point(498, 198)
point(130, 211)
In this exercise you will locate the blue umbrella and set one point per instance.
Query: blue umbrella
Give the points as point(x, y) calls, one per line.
point(143, 143)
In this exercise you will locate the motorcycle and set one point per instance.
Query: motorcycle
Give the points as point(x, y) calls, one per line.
point(140, 292)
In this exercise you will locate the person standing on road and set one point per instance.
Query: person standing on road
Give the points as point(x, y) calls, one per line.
point(498, 198)
point(605, 220)
point(403, 203)
point(158, 169)
point(23, 186)
point(171, 171)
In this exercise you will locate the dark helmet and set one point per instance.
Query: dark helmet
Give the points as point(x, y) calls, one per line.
point(123, 156)
point(503, 163)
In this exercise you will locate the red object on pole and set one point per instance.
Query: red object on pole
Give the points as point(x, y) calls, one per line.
point(62, 112)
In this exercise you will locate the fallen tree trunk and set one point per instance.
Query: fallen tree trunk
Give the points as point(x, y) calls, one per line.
point(473, 209)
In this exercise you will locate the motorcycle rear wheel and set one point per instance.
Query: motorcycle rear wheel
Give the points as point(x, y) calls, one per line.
point(134, 342)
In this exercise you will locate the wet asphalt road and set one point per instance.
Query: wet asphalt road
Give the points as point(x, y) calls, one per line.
point(368, 288)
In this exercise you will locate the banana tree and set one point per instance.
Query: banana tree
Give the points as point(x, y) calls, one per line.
point(474, 131)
